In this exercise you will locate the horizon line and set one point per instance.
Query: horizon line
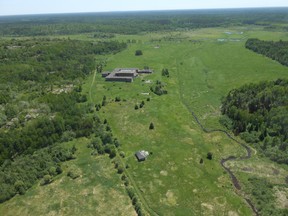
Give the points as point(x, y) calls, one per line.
point(152, 10)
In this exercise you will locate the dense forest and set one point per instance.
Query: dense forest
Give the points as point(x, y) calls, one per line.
point(19, 175)
point(41, 100)
point(259, 114)
point(42, 105)
point(106, 24)
point(277, 51)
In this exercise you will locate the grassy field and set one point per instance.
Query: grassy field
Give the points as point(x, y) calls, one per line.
point(98, 190)
point(204, 65)
point(203, 68)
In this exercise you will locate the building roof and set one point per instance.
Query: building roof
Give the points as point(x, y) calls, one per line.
point(124, 74)
point(141, 155)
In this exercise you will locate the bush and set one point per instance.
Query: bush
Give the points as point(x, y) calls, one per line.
point(20, 187)
point(47, 179)
point(138, 52)
point(151, 126)
point(130, 192)
point(67, 136)
point(112, 153)
point(209, 156)
point(116, 143)
point(165, 72)
point(120, 170)
point(122, 154)
point(74, 172)
point(117, 99)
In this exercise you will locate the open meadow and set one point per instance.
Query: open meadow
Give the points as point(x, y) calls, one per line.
point(204, 65)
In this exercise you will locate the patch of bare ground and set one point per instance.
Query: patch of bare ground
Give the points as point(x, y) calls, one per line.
point(63, 89)
point(169, 199)
point(207, 208)
point(232, 213)
point(163, 173)
point(281, 195)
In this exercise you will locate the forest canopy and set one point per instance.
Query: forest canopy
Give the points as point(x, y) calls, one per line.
point(42, 106)
point(277, 51)
point(259, 113)
point(105, 25)
point(41, 102)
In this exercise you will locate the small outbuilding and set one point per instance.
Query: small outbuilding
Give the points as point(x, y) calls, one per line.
point(141, 155)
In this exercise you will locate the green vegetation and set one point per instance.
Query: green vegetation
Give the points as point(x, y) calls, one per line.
point(97, 190)
point(105, 26)
point(209, 156)
point(275, 50)
point(138, 53)
point(159, 88)
point(67, 105)
point(42, 105)
point(263, 196)
point(21, 174)
point(41, 100)
point(165, 72)
point(151, 126)
point(259, 113)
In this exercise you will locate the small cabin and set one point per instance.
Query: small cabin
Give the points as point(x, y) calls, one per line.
point(141, 155)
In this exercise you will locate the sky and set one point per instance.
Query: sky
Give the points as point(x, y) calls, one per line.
point(18, 7)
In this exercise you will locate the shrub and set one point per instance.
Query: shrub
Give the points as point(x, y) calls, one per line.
point(74, 172)
point(47, 179)
point(120, 170)
point(116, 143)
point(122, 154)
point(20, 187)
point(209, 156)
point(117, 99)
point(165, 72)
point(138, 52)
point(130, 192)
point(123, 177)
point(112, 153)
point(67, 136)
point(151, 126)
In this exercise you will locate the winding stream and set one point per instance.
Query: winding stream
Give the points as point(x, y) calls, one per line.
point(234, 179)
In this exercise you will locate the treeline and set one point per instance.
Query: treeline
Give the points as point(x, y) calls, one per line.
point(21, 174)
point(45, 60)
point(277, 51)
point(42, 106)
point(41, 99)
point(135, 22)
point(259, 113)
point(67, 119)
point(263, 195)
